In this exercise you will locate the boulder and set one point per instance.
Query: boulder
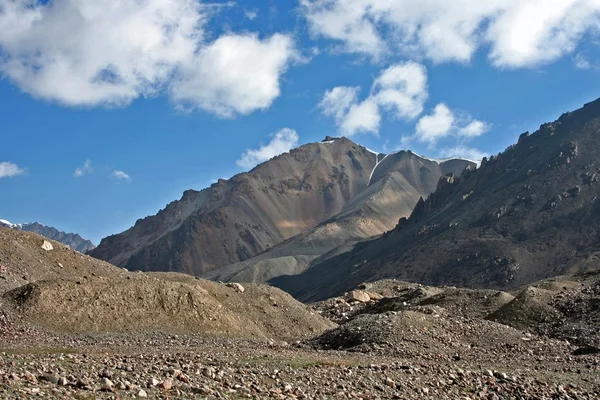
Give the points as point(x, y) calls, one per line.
point(47, 246)
point(358, 295)
point(374, 296)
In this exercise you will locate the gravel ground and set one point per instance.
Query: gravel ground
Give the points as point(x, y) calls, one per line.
point(101, 366)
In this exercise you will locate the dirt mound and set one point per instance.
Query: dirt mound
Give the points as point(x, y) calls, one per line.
point(565, 308)
point(142, 302)
point(65, 291)
point(426, 331)
point(467, 302)
point(22, 260)
point(530, 308)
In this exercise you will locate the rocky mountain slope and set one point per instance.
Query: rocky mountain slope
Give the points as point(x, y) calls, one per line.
point(333, 190)
point(528, 213)
point(72, 240)
point(395, 186)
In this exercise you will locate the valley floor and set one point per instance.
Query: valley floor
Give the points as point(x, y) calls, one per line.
point(39, 365)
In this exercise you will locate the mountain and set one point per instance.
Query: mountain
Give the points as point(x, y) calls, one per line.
point(72, 240)
point(396, 184)
point(332, 190)
point(528, 213)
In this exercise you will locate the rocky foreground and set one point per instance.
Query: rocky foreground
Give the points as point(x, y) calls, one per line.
point(183, 366)
point(394, 341)
point(72, 327)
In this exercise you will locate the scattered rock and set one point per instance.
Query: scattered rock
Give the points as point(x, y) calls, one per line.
point(47, 246)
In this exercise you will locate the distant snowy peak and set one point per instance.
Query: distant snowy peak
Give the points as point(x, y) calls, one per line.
point(7, 224)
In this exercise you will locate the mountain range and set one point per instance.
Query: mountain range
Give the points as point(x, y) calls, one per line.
point(328, 216)
point(72, 240)
point(308, 201)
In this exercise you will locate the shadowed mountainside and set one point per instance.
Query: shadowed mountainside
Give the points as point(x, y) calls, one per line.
point(529, 213)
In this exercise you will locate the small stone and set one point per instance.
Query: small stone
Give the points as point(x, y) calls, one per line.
point(166, 384)
point(152, 382)
point(237, 287)
point(106, 374)
point(106, 385)
point(49, 378)
point(142, 393)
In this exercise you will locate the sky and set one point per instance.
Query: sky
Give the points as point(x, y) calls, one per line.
point(110, 110)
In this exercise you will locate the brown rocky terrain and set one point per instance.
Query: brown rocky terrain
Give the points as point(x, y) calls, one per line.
point(328, 192)
point(526, 214)
point(395, 186)
point(84, 329)
point(65, 291)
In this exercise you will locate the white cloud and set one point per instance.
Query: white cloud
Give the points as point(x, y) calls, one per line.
point(463, 152)
point(474, 129)
point(581, 62)
point(87, 53)
point(281, 142)
point(518, 33)
point(444, 123)
point(251, 14)
point(402, 88)
point(431, 128)
point(9, 169)
point(120, 176)
point(236, 74)
point(85, 169)
point(363, 117)
point(108, 53)
point(399, 90)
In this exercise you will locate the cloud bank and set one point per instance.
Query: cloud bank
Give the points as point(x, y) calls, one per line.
point(515, 33)
point(109, 53)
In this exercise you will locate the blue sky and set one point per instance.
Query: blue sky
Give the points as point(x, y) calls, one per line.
point(160, 96)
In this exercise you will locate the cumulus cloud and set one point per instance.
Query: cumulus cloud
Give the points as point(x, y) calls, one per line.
point(518, 33)
point(108, 53)
point(281, 142)
point(120, 176)
point(85, 169)
point(444, 123)
point(402, 89)
point(432, 127)
point(251, 14)
point(399, 90)
point(9, 169)
point(236, 74)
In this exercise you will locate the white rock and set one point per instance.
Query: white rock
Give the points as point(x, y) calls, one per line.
point(142, 393)
point(47, 246)
point(236, 286)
